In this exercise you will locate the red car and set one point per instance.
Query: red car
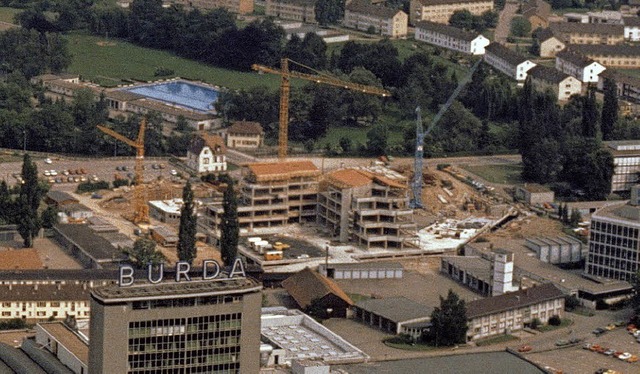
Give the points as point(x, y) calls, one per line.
point(525, 348)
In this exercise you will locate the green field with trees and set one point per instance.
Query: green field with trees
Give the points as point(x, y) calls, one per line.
point(110, 62)
point(7, 14)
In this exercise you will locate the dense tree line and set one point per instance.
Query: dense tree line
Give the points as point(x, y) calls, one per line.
point(563, 144)
point(466, 20)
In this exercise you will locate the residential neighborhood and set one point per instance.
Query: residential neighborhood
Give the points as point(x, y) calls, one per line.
point(318, 186)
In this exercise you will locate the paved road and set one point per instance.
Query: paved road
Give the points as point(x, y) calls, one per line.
point(503, 27)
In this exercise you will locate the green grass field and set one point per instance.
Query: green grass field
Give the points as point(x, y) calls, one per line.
point(507, 174)
point(7, 14)
point(358, 135)
point(108, 62)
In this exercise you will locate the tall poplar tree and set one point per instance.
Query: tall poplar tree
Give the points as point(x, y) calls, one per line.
point(590, 124)
point(609, 109)
point(31, 193)
point(449, 321)
point(230, 229)
point(188, 222)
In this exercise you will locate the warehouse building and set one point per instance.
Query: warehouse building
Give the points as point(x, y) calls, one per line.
point(395, 315)
point(362, 270)
point(557, 250)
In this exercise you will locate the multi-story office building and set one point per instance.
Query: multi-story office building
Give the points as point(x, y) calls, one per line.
point(440, 11)
point(368, 206)
point(200, 326)
point(614, 238)
point(626, 161)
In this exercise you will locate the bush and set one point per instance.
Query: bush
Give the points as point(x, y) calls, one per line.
point(555, 320)
point(571, 302)
point(92, 186)
point(13, 324)
point(121, 182)
point(535, 323)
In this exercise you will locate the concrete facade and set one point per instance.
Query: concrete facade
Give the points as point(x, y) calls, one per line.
point(534, 194)
point(195, 327)
point(508, 62)
point(383, 21)
point(297, 10)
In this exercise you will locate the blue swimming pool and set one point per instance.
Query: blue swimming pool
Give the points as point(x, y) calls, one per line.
point(180, 93)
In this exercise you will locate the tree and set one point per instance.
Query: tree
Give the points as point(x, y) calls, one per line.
point(449, 321)
point(49, 217)
point(520, 27)
point(462, 19)
point(609, 109)
point(329, 12)
point(188, 227)
point(571, 302)
point(31, 193)
point(346, 144)
point(575, 218)
point(377, 140)
point(144, 253)
point(555, 320)
point(565, 214)
point(590, 126)
point(230, 228)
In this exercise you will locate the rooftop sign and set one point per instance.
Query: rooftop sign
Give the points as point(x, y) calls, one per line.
point(210, 270)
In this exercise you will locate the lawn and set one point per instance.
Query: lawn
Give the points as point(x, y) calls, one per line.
point(358, 135)
point(111, 62)
point(7, 14)
point(504, 174)
point(495, 340)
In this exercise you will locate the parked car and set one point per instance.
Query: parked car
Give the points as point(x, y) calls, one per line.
point(609, 352)
point(96, 195)
point(53, 172)
point(173, 172)
point(69, 179)
point(632, 359)
point(525, 348)
point(47, 173)
point(625, 356)
point(610, 327)
point(82, 171)
point(598, 331)
point(65, 172)
point(48, 161)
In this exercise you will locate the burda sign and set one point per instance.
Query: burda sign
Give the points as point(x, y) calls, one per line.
point(210, 270)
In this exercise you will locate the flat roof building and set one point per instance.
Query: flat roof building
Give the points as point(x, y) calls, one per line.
point(198, 326)
point(397, 315)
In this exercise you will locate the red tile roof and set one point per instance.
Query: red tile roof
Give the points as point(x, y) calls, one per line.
point(283, 170)
point(308, 285)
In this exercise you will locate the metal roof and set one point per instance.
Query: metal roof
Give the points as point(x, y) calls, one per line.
point(396, 309)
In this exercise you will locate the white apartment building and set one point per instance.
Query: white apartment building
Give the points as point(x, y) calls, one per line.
point(512, 311)
point(39, 302)
point(441, 10)
point(451, 38)
point(632, 29)
point(508, 62)
point(562, 84)
point(578, 66)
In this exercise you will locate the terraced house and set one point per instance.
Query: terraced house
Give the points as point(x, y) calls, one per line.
point(361, 15)
point(297, 10)
point(588, 33)
point(440, 11)
point(451, 38)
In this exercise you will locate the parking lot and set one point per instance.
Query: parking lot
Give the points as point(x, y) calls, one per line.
point(71, 171)
point(576, 359)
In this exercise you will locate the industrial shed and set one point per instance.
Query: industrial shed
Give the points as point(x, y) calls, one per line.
point(557, 250)
point(362, 270)
point(396, 315)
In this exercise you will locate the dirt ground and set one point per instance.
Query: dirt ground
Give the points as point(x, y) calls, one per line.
point(528, 227)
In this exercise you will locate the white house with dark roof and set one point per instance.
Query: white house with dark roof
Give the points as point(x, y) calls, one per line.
point(206, 154)
point(361, 15)
point(631, 28)
point(562, 84)
point(451, 37)
point(507, 61)
point(579, 66)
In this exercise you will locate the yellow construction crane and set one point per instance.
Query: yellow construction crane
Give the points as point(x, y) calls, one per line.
point(318, 77)
point(141, 210)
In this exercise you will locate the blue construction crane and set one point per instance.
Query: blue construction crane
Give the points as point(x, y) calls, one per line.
point(416, 184)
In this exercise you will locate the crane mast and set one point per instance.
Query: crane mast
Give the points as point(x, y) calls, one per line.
point(416, 183)
point(140, 210)
point(285, 90)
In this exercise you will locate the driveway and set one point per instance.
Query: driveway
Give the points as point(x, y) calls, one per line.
point(504, 22)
